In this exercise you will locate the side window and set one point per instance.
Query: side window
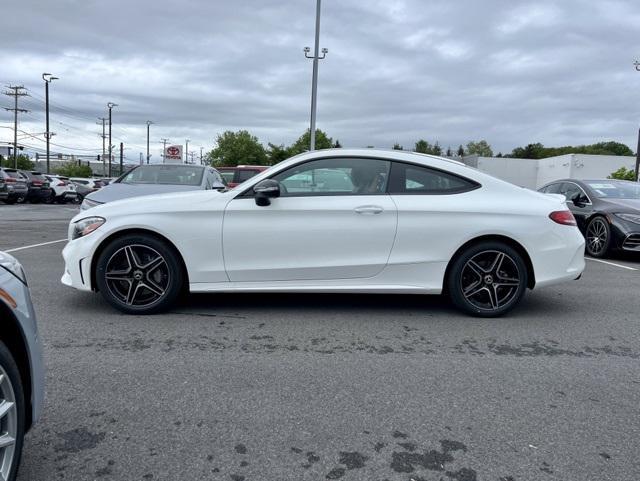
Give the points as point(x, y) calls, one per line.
point(415, 179)
point(336, 176)
point(570, 190)
point(553, 189)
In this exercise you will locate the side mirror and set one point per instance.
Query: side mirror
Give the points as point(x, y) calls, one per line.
point(265, 190)
point(578, 200)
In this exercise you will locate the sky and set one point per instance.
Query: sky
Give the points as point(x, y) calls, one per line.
point(510, 72)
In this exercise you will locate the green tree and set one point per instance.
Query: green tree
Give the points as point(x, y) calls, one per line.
point(337, 144)
point(539, 151)
point(460, 151)
point(480, 148)
point(302, 144)
point(277, 153)
point(397, 146)
point(424, 147)
point(449, 152)
point(71, 169)
point(235, 148)
point(623, 174)
point(24, 163)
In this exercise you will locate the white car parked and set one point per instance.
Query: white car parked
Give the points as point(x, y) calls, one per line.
point(63, 189)
point(331, 221)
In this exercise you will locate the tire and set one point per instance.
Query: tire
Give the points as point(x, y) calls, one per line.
point(598, 237)
point(13, 422)
point(139, 274)
point(487, 280)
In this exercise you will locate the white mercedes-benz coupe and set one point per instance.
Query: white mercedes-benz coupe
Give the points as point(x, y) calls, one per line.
point(337, 220)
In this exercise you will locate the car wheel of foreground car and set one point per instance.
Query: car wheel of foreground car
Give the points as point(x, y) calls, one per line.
point(139, 274)
point(12, 416)
point(598, 237)
point(487, 280)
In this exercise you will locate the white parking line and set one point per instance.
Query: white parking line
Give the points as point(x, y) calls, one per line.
point(611, 263)
point(34, 245)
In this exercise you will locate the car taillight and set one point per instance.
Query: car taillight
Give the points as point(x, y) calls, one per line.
point(36, 182)
point(62, 184)
point(564, 217)
point(10, 180)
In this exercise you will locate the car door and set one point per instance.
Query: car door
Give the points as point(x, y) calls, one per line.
point(582, 211)
point(328, 223)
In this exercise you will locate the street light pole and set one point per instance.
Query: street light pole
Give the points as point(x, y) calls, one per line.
point(186, 151)
point(636, 64)
point(164, 149)
point(110, 105)
point(314, 81)
point(148, 124)
point(47, 80)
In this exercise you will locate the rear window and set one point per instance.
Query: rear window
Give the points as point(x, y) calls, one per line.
point(227, 175)
point(246, 174)
point(415, 179)
point(12, 173)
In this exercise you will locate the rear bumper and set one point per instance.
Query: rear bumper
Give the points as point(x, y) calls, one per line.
point(561, 259)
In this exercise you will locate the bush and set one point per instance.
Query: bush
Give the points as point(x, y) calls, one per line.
point(71, 169)
point(24, 163)
point(623, 174)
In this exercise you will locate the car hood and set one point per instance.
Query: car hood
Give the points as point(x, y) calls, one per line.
point(118, 191)
point(626, 205)
point(175, 202)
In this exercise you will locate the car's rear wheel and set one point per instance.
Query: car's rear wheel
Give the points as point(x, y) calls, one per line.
point(598, 237)
point(488, 279)
point(139, 274)
point(12, 416)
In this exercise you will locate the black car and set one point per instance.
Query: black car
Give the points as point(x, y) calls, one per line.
point(13, 187)
point(39, 190)
point(607, 212)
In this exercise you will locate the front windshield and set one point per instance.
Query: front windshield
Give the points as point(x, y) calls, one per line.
point(615, 189)
point(164, 174)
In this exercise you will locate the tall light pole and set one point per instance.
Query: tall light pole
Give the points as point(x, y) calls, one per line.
point(186, 151)
point(148, 124)
point(110, 105)
point(48, 78)
point(314, 81)
point(636, 64)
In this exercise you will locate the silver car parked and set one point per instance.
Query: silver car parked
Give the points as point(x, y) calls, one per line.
point(21, 366)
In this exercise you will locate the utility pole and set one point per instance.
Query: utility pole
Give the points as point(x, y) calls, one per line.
point(148, 124)
point(201, 163)
point(314, 81)
point(164, 149)
point(121, 157)
point(186, 151)
point(104, 168)
point(18, 91)
point(110, 105)
point(48, 78)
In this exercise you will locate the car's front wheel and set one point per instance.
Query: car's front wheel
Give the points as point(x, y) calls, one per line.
point(488, 279)
point(598, 237)
point(12, 415)
point(139, 274)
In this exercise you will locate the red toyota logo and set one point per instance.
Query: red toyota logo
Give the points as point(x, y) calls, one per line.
point(173, 151)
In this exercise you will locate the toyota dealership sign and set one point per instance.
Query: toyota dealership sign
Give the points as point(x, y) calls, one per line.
point(173, 152)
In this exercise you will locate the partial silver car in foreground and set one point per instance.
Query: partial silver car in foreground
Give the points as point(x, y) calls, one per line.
point(21, 366)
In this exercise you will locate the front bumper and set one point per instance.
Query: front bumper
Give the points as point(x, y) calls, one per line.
point(77, 256)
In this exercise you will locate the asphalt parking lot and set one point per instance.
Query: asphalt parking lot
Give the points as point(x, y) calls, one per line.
point(350, 387)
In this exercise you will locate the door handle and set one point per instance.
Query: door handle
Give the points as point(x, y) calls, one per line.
point(368, 209)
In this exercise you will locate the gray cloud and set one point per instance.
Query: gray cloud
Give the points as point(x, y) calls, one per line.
point(510, 72)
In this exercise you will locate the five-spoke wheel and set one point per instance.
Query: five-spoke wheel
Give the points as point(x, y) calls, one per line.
point(488, 279)
point(139, 274)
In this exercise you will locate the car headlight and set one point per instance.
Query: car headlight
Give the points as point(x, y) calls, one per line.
point(88, 203)
point(635, 218)
point(11, 264)
point(86, 226)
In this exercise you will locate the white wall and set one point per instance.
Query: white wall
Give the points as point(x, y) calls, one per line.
point(521, 172)
point(554, 168)
point(599, 166)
